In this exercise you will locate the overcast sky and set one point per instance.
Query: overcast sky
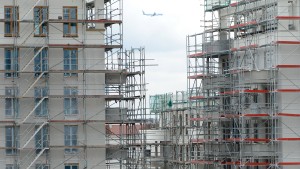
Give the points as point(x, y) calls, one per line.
point(164, 39)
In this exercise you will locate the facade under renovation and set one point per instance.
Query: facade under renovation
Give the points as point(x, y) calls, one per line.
point(67, 84)
point(243, 90)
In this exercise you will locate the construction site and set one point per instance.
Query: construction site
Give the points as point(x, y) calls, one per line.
point(71, 96)
point(241, 106)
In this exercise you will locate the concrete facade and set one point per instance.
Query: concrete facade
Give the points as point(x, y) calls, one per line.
point(71, 133)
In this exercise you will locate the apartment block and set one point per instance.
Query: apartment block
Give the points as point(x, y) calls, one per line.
point(65, 80)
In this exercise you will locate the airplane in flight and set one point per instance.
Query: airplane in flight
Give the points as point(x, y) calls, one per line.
point(154, 14)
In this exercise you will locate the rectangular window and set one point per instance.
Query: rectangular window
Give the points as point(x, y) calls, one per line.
point(71, 166)
point(11, 102)
point(11, 61)
point(91, 15)
point(71, 138)
point(40, 20)
point(255, 130)
point(40, 61)
point(11, 166)
point(42, 166)
point(39, 94)
point(41, 138)
point(70, 101)
point(11, 140)
point(70, 26)
point(11, 24)
point(70, 61)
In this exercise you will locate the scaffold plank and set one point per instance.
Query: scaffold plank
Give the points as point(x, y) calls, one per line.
point(287, 42)
point(65, 46)
point(251, 23)
point(257, 140)
point(83, 46)
point(288, 66)
point(233, 139)
point(288, 90)
point(197, 119)
point(288, 139)
point(107, 72)
point(233, 49)
point(235, 4)
point(249, 47)
point(74, 121)
point(255, 91)
point(249, 140)
point(198, 76)
point(252, 164)
point(105, 21)
point(106, 97)
point(288, 163)
point(196, 97)
point(288, 114)
point(256, 115)
point(230, 92)
point(196, 55)
point(238, 70)
point(288, 17)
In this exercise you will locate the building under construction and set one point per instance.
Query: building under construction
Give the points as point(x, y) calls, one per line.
point(242, 90)
point(168, 140)
point(72, 97)
point(243, 79)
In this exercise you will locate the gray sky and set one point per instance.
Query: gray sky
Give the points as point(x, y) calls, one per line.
point(164, 38)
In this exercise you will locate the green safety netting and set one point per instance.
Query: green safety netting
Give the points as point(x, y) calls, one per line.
point(211, 5)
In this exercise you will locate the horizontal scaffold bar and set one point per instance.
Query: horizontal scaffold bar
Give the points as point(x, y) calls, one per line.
point(196, 97)
point(107, 97)
point(244, 163)
point(197, 55)
point(288, 66)
point(235, 4)
point(251, 23)
point(230, 116)
point(109, 72)
point(288, 17)
point(288, 90)
point(289, 114)
point(64, 46)
point(263, 140)
point(288, 139)
point(287, 42)
point(105, 21)
point(198, 76)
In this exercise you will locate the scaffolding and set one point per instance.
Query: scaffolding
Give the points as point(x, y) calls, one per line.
point(243, 87)
point(66, 81)
point(126, 117)
point(171, 146)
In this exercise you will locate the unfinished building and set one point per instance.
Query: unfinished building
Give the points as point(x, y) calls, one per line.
point(66, 82)
point(168, 141)
point(243, 78)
